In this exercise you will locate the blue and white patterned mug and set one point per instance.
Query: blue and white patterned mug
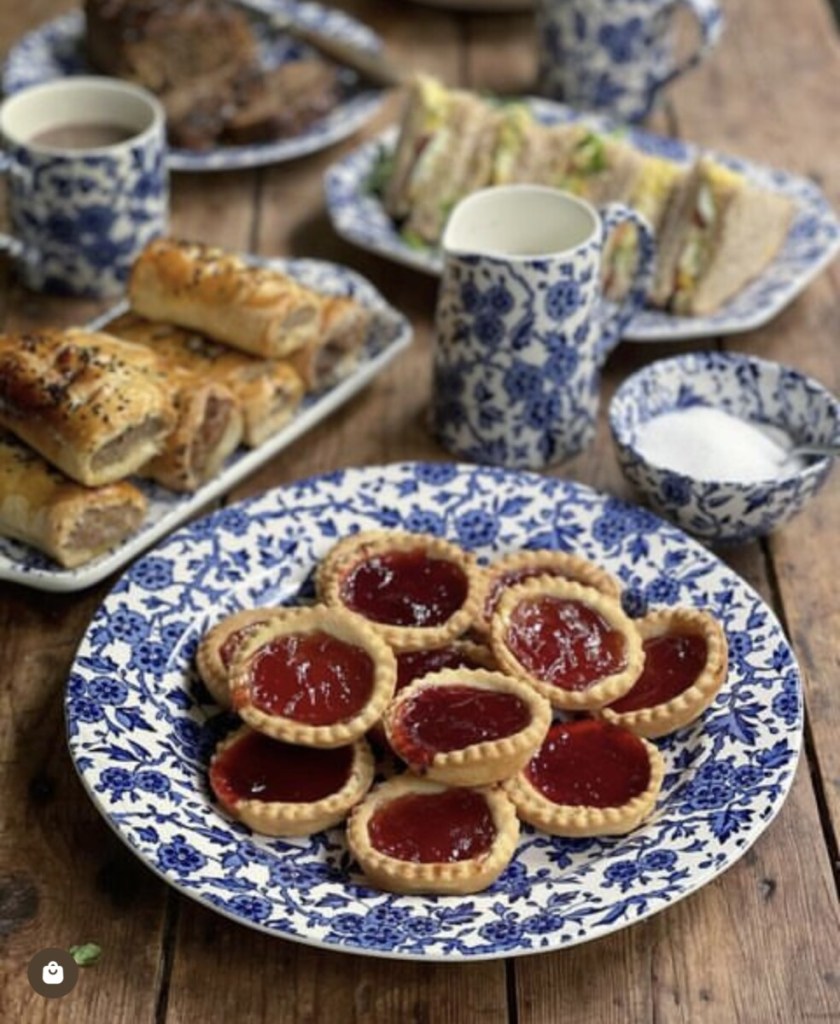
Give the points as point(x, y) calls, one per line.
point(616, 56)
point(522, 327)
point(85, 159)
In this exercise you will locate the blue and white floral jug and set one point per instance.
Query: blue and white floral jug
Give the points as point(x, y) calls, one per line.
point(522, 327)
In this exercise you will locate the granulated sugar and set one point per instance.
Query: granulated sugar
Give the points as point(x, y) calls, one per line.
point(711, 444)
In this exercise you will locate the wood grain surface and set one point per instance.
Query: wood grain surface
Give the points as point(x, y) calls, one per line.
point(760, 944)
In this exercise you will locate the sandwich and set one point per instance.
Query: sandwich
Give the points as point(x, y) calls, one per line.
point(657, 187)
point(530, 152)
point(601, 169)
point(444, 152)
point(719, 234)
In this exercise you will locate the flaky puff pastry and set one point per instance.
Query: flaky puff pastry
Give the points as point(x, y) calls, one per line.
point(519, 566)
point(286, 795)
point(310, 685)
point(605, 685)
point(396, 874)
point(219, 646)
point(489, 757)
point(334, 352)
point(351, 554)
point(268, 391)
point(206, 418)
point(80, 405)
point(660, 719)
point(70, 523)
point(254, 309)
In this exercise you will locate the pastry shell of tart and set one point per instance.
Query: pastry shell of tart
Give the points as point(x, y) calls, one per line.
point(342, 626)
point(581, 820)
point(293, 818)
point(519, 566)
point(214, 672)
point(661, 719)
point(352, 551)
point(484, 762)
point(603, 689)
point(403, 876)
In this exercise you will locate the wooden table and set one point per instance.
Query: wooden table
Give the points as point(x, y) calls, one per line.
point(761, 943)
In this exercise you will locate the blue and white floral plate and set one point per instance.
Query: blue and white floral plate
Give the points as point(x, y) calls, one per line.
point(54, 50)
point(813, 240)
point(389, 334)
point(141, 727)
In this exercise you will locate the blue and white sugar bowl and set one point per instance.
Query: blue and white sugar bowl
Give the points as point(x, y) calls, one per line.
point(707, 439)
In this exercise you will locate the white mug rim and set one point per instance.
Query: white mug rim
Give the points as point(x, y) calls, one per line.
point(101, 82)
point(555, 194)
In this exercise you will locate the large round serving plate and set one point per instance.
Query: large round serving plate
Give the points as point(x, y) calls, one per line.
point(141, 728)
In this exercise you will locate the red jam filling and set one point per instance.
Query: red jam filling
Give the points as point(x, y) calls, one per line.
point(405, 588)
point(451, 717)
point(257, 767)
point(434, 828)
point(672, 664)
point(313, 678)
point(228, 650)
point(564, 642)
point(509, 579)
point(413, 664)
point(588, 763)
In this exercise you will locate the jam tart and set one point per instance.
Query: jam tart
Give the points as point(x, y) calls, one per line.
point(417, 590)
point(467, 727)
point(412, 835)
point(574, 644)
point(279, 789)
point(412, 665)
point(589, 778)
point(315, 676)
point(685, 667)
point(519, 566)
point(219, 645)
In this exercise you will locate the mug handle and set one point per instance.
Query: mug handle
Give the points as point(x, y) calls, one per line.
point(9, 244)
point(710, 22)
point(614, 317)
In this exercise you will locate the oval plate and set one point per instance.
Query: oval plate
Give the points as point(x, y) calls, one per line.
point(141, 727)
point(54, 50)
point(812, 242)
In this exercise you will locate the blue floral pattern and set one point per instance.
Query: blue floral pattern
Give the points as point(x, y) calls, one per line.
point(54, 50)
point(389, 333)
point(142, 748)
point(519, 348)
point(812, 243)
point(751, 388)
point(616, 56)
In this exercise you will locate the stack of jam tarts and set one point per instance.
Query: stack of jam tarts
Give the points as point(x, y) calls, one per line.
point(518, 690)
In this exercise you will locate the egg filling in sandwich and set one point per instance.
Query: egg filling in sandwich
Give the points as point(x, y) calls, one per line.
point(720, 234)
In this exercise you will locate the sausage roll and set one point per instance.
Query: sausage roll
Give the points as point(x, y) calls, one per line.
point(268, 391)
point(332, 355)
point(207, 419)
point(254, 309)
point(81, 405)
point(68, 522)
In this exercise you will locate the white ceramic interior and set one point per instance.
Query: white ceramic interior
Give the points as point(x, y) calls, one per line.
point(86, 98)
point(520, 221)
point(758, 390)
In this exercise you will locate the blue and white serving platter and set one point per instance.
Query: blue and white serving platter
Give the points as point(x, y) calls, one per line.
point(55, 50)
point(389, 334)
point(813, 241)
point(141, 728)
